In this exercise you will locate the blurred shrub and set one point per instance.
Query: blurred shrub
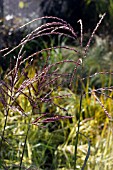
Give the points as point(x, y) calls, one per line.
point(87, 10)
point(101, 7)
point(71, 11)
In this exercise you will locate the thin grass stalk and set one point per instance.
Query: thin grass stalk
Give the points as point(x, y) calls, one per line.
point(6, 116)
point(93, 33)
point(77, 133)
point(81, 97)
point(28, 128)
point(21, 159)
point(5, 123)
point(88, 152)
point(44, 17)
point(81, 31)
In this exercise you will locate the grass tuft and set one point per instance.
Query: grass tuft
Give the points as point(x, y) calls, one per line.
point(52, 116)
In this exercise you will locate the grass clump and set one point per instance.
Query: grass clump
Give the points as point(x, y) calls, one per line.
point(52, 117)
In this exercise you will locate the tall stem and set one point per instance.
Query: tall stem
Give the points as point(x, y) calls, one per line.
point(2, 137)
point(80, 109)
point(21, 159)
point(77, 133)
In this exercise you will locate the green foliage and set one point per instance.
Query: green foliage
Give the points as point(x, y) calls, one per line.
point(54, 113)
point(53, 147)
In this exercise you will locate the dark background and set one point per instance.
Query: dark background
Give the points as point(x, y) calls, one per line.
point(15, 13)
point(18, 12)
